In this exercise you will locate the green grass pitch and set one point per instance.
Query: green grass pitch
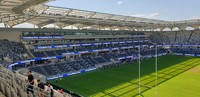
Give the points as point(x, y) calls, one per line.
point(123, 81)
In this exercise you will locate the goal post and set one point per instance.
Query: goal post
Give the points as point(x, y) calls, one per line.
point(156, 71)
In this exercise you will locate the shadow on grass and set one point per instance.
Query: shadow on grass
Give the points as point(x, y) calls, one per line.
point(147, 82)
point(102, 81)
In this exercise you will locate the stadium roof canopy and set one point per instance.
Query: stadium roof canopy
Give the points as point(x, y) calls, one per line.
point(14, 12)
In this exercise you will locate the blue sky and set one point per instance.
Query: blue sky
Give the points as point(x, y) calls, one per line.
point(157, 9)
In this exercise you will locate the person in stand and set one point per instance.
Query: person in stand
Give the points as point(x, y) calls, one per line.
point(31, 82)
point(41, 88)
point(50, 89)
point(61, 91)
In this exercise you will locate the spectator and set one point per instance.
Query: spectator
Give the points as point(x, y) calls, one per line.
point(41, 87)
point(50, 89)
point(31, 82)
point(61, 91)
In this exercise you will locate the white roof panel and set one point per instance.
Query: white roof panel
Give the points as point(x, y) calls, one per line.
point(43, 14)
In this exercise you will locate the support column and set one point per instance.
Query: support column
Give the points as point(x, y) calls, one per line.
point(161, 29)
point(196, 28)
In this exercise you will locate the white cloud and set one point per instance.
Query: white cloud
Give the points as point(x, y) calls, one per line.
point(195, 17)
point(119, 2)
point(1, 24)
point(151, 15)
point(24, 25)
point(137, 15)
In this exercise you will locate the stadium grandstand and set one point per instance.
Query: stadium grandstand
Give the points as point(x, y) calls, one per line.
point(102, 41)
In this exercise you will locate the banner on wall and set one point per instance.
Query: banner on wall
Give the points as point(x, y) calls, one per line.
point(87, 44)
point(69, 74)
